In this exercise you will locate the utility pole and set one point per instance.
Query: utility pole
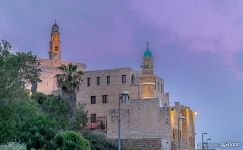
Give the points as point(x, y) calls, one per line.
point(203, 140)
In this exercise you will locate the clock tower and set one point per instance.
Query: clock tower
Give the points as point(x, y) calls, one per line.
point(55, 49)
point(147, 78)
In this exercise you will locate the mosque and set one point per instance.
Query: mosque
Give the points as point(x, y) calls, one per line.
point(147, 118)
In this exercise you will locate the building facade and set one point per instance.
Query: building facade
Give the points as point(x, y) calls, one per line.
point(147, 119)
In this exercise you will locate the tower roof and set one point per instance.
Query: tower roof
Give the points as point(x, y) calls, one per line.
point(147, 53)
point(55, 27)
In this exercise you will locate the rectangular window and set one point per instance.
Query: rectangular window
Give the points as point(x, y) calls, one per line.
point(173, 134)
point(158, 86)
point(124, 79)
point(108, 80)
point(93, 118)
point(98, 81)
point(88, 81)
point(161, 88)
point(93, 99)
point(104, 98)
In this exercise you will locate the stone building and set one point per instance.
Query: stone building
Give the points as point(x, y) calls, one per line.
point(148, 121)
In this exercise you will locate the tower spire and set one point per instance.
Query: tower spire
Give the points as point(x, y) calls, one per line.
point(55, 49)
point(147, 45)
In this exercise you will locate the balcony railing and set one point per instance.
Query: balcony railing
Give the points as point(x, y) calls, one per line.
point(97, 123)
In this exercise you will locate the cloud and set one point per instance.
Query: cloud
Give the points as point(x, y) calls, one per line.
point(213, 26)
point(119, 28)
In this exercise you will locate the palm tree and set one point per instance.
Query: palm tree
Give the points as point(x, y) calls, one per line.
point(69, 80)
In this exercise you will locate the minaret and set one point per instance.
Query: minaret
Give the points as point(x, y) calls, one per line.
point(147, 78)
point(55, 49)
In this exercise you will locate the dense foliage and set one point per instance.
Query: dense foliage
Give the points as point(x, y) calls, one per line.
point(38, 121)
point(55, 108)
point(71, 140)
point(16, 108)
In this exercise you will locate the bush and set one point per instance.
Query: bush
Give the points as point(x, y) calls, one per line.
point(57, 109)
point(39, 97)
point(99, 142)
point(70, 140)
point(13, 146)
point(38, 133)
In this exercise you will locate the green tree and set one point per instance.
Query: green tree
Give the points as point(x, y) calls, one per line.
point(30, 69)
point(69, 80)
point(13, 115)
point(16, 108)
point(17, 70)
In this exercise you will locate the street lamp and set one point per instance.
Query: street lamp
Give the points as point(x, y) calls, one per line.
point(123, 97)
point(180, 118)
point(207, 142)
point(202, 140)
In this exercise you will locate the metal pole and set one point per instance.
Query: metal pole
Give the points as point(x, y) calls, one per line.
point(202, 142)
point(119, 123)
point(178, 133)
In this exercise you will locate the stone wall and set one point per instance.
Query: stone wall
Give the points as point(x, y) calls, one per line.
point(140, 144)
point(49, 70)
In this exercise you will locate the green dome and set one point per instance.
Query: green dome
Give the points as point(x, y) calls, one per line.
point(147, 53)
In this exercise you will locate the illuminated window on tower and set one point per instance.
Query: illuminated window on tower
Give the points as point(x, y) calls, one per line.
point(56, 48)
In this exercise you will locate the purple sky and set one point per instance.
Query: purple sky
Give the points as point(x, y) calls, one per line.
point(197, 45)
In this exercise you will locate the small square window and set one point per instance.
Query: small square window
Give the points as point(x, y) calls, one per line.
point(124, 79)
point(133, 79)
point(104, 98)
point(93, 99)
point(108, 80)
point(98, 81)
point(93, 118)
point(88, 81)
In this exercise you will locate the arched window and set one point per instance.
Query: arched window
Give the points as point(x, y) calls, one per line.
point(56, 48)
point(133, 79)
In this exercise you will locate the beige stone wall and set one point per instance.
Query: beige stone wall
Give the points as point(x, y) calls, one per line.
point(113, 90)
point(145, 117)
point(187, 126)
point(140, 119)
point(49, 70)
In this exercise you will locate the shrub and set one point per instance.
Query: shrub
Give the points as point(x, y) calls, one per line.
point(70, 140)
point(57, 109)
point(99, 142)
point(39, 97)
point(38, 133)
point(13, 146)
